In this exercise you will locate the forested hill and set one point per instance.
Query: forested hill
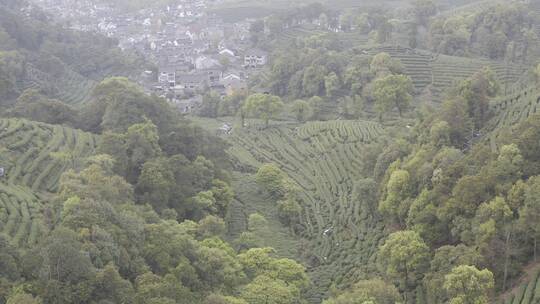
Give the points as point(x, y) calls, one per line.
point(435, 192)
point(35, 53)
point(377, 156)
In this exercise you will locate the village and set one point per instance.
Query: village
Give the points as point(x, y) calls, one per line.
point(193, 52)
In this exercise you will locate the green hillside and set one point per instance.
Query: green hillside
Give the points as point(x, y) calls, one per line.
point(441, 72)
point(66, 65)
point(22, 215)
point(325, 159)
point(33, 156)
point(354, 169)
point(36, 154)
point(71, 87)
point(511, 110)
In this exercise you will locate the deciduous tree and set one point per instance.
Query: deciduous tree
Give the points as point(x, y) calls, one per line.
point(271, 179)
point(263, 106)
point(405, 257)
point(468, 285)
point(393, 91)
point(302, 110)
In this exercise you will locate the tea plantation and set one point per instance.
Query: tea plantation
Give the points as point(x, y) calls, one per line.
point(442, 71)
point(21, 215)
point(528, 293)
point(33, 156)
point(36, 154)
point(70, 87)
point(325, 160)
point(511, 109)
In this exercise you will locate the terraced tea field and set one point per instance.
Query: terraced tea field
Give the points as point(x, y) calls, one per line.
point(21, 216)
point(353, 39)
point(528, 293)
point(441, 71)
point(76, 89)
point(512, 109)
point(35, 154)
point(448, 69)
point(71, 87)
point(470, 8)
point(325, 160)
point(417, 64)
point(298, 32)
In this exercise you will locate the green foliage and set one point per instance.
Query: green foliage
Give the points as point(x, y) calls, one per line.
point(11, 70)
point(422, 218)
point(111, 286)
point(476, 92)
point(272, 180)
point(460, 124)
point(467, 284)
point(313, 158)
point(211, 226)
point(160, 290)
point(210, 105)
point(264, 290)
point(393, 91)
point(302, 110)
point(383, 65)
point(23, 298)
point(155, 183)
point(256, 222)
point(218, 299)
point(368, 291)
point(440, 134)
point(275, 280)
point(530, 209)
point(61, 63)
point(289, 211)
point(405, 257)
point(423, 10)
point(223, 194)
point(9, 260)
point(396, 204)
point(263, 106)
point(498, 31)
point(36, 154)
point(143, 225)
point(34, 106)
point(444, 260)
point(118, 103)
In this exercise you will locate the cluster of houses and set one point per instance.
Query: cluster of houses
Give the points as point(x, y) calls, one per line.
point(194, 51)
point(201, 55)
point(225, 71)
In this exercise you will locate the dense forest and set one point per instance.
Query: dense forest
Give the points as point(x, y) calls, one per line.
point(385, 154)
